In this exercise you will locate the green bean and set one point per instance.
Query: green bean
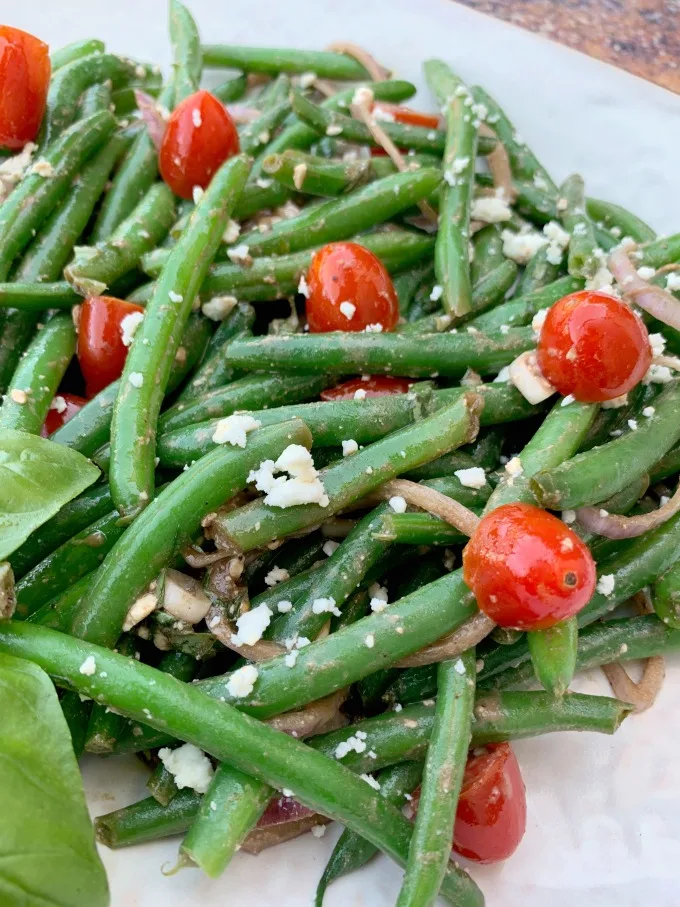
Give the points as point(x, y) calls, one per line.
point(538, 273)
point(524, 163)
point(407, 285)
point(608, 420)
point(36, 297)
point(104, 725)
point(314, 175)
point(430, 847)
point(412, 355)
point(231, 89)
point(554, 654)
point(599, 473)
point(502, 402)
point(212, 371)
point(418, 529)
point(162, 785)
point(89, 428)
point(535, 203)
point(520, 311)
point(132, 180)
point(255, 137)
point(363, 421)
point(96, 267)
point(666, 597)
point(612, 215)
point(70, 81)
point(124, 100)
point(38, 376)
point(342, 218)
point(148, 820)
point(77, 556)
point(256, 524)
point(186, 51)
point(76, 714)
point(451, 258)
point(271, 61)
point(352, 851)
point(659, 252)
point(167, 524)
point(245, 393)
point(133, 426)
point(58, 612)
point(94, 99)
point(601, 643)
point(51, 250)
point(268, 755)
point(33, 200)
point(666, 466)
point(488, 252)
point(582, 262)
point(75, 51)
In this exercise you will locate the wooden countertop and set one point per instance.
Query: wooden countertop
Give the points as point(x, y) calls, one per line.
point(640, 36)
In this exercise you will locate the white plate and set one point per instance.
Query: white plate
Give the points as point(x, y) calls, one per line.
point(603, 813)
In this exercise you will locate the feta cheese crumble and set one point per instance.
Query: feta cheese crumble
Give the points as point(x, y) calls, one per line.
point(242, 681)
point(325, 605)
point(189, 766)
point(347, 309)
point(302, 486)
point(473, 477)
point(349, 447)
point(276, 575)
point(129, 325)
point(217, 308)
point(136, 379)
point(251, 625)
point(397, 503)
point(89, 666)
point(490, 210)
point(58, 404)
point(605, 584)
point(521, 247)
point(234, 430)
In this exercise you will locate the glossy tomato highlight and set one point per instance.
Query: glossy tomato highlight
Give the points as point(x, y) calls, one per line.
point(101, 350)
point(24, 80)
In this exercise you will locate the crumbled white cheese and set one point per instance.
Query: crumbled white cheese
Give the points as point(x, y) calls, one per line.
point(232, 232)
point(606, 584)
point(568, 400)
point(89, 666)
point(291, 658)
point(369, 640)
point(397, 503)
point(303, 286)
point(251, 625)
point(373, 328)
point(140, 610)
point(129, 325)
point(234, 429)
point(377, 605)
point(349, 446)
point(284, 606)
point(217, 308)
point(330, 547)
point(459, 667)
point(556, 234)
point(514, 467)
point(360, 394)
point(276, 575)
point(13, 168)
point(58, 404)
point(648, 412)
point(175, 297)
point(527, 377)
point(189, 766)
point(538, 321)
point(673, 281)
point(136, 379)
point(646, 273)
point(242, 681)
point(657, 343)
point(632, 424)
point(325, 605)
point(521, 247)
point(334, 129)
point(370, 780)
point(196, 194)
point(42, 168)
point(658, 374)
point(347, 309)
point(568, 516)
point(353, 744)
point(490, 210)
point(239, 254)
point(460, 164)
point(472, 477)
point(303, 486)
point(615, 402)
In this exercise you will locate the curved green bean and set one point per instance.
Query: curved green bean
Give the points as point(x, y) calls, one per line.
point(75, 51)
point(582, 262)
point(271, 61)
point(186, 51)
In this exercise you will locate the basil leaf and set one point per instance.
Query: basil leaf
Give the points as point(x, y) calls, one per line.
point(48, 856)
point(37, 477)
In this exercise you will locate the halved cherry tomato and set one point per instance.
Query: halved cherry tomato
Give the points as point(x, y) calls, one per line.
point(593, 346)
point(349, 289)
point(199, 138)
point(101, 351)
point(24, 79)
point(64, 408)
point(527, 569)
point(491, 816)
point(375, 386)
point(408, 116)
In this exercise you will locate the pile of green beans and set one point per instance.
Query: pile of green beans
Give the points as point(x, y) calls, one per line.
point(155, 572)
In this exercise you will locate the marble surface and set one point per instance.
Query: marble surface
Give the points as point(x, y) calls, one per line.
point(603, 813)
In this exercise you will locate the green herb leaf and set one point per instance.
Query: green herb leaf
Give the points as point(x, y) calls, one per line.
point(37, 477)
point(47, 850)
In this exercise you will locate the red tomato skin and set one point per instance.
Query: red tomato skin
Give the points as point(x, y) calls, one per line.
point(492, 811)
point(375, 386)
point(24, 79)
point(527, 569)
point(55, 419)
point(347, 272)
point(593, 346)
point(191, 154)
point(101, 351)
point(408, 116)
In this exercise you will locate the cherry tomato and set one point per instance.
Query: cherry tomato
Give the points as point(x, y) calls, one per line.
point(491, 816)
point(24, 79)
point(375, 386)
point(64, 408)
point(101, 351)
point(199, 138)
point(492, 810)
point(527, 569)
point(408, 116)
point(593, 346)
point(349, 289)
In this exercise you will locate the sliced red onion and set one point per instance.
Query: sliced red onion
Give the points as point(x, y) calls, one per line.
point(613, 526)
point(152, 116)
point(283, 809)
point(654, 300)
point(240, 113)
